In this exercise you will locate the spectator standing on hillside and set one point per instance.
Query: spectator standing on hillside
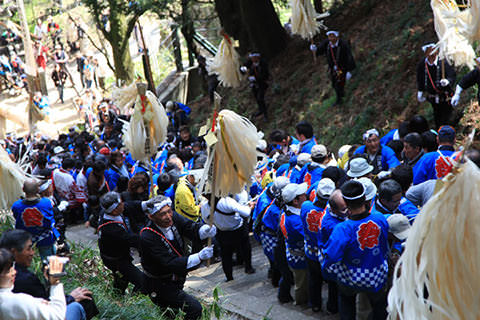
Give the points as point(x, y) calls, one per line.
point(59, 76)
point(257, 70)
point(340, 61)
point(40, 30)
point(435, 80)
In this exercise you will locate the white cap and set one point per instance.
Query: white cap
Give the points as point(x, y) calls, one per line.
point(358, 167)
point(303, 158)
point(280, 182)
point(57, 150)
point(370, 188)
point(292, 190)
point(335, 33)
point(319, 151)
point(399, 226)
point(325, 188)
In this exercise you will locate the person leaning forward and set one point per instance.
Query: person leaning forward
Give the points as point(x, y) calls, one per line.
point(164, 258)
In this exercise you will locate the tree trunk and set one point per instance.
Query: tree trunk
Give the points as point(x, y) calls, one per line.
point(188, 30)
point(118, 39)
point(318, 5)
point(254, 23)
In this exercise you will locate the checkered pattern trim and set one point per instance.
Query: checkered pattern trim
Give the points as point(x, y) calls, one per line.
point(360, 278)
point(295, 257)
point(39, 237)
point(311, 251)
point(269, 242)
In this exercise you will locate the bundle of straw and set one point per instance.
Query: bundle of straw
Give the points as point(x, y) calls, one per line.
point(226, 64)
point(442, 255)
point(235, 153)
point(11, 180)
point(304, 21)
point(457, 30)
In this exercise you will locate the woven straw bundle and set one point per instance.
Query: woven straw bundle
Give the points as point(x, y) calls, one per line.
point(226, 64)
point(11, 180)
point(235, 153)
point(442, 255)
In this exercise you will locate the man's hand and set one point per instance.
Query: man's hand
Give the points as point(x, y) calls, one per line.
point(455, 100)
point(313, 47)
point(444, 82)
point(62, 206)
point(243, 69)
point(348, 76)
point(207, 231)
point(251, 79)
point(80, 294)
point(420, 97)
point(206, 253)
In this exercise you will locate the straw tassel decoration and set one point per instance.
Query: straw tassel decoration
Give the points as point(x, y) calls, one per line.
point(226, 63)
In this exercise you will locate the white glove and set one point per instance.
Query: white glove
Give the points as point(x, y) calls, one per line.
point(62, 206)
point(313, 47)
point(383, 174)
point(251, 78)
point(207, 232)
point(420, 96)
point(456, 97)
point(455, 100)
point(348, 76)
point(444, 82)
point(206, 253)
point(243, 69)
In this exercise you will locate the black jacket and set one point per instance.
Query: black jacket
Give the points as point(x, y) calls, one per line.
point(424, 83)
point(340, 56)
point(260, 72)
point(470, 79)
point(159, 259)
point(116, 240)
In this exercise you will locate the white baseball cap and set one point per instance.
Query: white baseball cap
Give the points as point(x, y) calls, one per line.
point(292, 190)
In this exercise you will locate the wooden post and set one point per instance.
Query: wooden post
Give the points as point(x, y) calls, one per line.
point(146, 61)
point(176, 48)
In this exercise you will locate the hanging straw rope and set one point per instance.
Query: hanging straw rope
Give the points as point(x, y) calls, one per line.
point(11, 180)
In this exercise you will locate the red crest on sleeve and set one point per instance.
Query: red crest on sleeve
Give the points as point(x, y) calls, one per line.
point(32, 217)
point(308, 179)
point(368, 235)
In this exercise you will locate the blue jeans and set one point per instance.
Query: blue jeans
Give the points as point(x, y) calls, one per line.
point(75, 311)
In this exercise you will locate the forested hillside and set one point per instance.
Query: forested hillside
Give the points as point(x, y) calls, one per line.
point(386, 38)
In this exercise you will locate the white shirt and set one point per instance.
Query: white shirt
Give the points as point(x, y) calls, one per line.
point(226, 222)
point(21, 306)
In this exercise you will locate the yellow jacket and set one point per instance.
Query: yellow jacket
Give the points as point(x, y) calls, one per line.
point(185, 203)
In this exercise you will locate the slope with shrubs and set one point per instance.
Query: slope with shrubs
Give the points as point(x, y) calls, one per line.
point(386, 38)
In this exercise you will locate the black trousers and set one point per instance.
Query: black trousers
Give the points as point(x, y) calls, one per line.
point(442, 113)
point(347, 303)
point(314, 274)
point(171, 295)
point(129, 272)
point(231, 240)
point(259, 94)
point(286, 280)
point(332, 302)
point(338, 85)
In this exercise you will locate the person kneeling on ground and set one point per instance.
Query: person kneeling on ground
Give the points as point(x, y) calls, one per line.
point(165, 261)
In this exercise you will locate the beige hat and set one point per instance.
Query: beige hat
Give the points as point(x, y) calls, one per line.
point(399, 226)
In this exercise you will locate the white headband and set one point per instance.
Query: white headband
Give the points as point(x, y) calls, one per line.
point(336, 33)
point(112, 207)
point(45, 186)
point(425, 47)
point(158, 206)
point(254, 54)
point(367, 134)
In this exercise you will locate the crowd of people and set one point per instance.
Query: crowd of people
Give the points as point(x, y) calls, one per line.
point(323, 218)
